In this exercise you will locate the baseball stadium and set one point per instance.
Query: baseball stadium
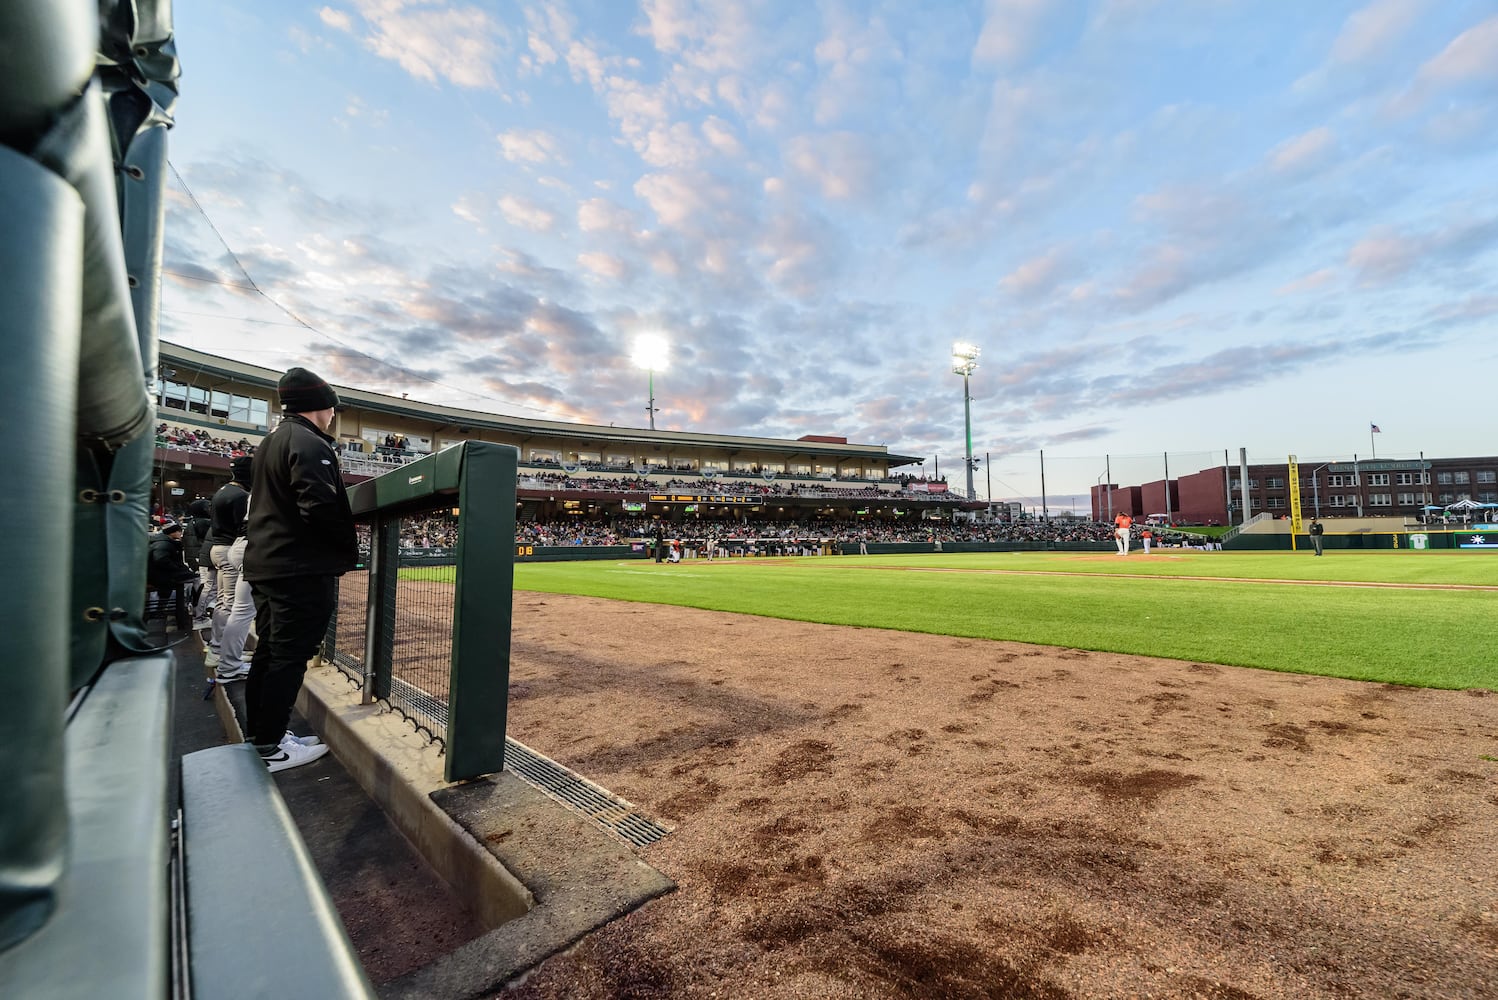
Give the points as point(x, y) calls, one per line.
point(633, 713)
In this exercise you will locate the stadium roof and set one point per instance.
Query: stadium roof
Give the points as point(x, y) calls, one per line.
point(242, 372)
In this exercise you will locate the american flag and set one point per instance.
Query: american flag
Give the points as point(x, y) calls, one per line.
point(1374, 429)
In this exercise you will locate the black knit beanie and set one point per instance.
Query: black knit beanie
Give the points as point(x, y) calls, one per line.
point(301, 392)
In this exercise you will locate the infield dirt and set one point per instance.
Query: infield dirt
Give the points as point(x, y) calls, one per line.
point(865, 813)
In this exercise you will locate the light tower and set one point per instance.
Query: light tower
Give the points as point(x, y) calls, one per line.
point(964, 363)
point(652, 353)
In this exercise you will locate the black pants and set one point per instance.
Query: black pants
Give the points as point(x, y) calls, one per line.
point(291, 619)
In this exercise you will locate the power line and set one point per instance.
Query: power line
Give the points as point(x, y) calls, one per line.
point(303, 324)
point(234, 319)
point(210, 281)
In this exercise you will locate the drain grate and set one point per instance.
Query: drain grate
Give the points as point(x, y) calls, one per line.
point(572, 789)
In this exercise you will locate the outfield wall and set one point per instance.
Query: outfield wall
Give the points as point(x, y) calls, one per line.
point(580, 553)
point(1416, 541)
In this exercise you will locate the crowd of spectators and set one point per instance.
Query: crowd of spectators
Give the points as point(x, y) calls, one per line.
point(776, 535)
point(708, 476)
point(429, 532)
point(708, 486)
point(568, 533)
point(201, 442)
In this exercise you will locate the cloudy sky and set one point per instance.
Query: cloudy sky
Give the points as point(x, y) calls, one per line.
point(1170, 225)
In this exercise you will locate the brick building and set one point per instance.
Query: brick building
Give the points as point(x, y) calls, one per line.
point(1375, 488)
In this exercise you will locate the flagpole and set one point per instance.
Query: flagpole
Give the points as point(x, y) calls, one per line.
point(1371, 445)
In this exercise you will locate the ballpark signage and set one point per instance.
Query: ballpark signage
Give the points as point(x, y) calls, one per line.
point(694, 498)
point(1358, 467)
point(1483, 537)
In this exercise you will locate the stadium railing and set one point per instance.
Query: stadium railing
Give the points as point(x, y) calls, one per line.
point(1234, 532)
point(430, 636)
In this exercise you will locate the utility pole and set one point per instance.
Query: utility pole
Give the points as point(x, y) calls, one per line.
point(1045, 511)
point(1108, 467)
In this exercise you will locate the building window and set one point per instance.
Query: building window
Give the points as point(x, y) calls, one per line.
point(1462, 478)
point(1253, 484)
point(1341, 479)
point(1337, 501)
point(1379, 500)
point(1443, 479)
point(1275, 502)
point(1274, 483)
point(1487, 497)
point(1407, 500)
point(1445, 498)
point(1378, 479)
point(174, 395)
point(1487, 476)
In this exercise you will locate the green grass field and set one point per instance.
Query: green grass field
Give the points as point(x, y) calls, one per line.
point(1243, 616)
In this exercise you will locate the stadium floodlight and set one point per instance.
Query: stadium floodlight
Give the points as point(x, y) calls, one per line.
point(653, 353)
point(964, 363)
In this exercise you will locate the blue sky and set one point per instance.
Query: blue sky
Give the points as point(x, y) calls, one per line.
point(1170, 226)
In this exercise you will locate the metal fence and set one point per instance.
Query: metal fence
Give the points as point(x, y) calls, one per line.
point(344, 646)
point(421, 636)
point(430, 635)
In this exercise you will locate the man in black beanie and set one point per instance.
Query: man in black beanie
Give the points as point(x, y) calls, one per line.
point(300, 539)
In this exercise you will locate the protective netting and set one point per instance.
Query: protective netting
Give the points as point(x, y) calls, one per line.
point(345, 642)
point(421, 634)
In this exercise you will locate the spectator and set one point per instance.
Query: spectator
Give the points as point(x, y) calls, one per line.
point(301, 538)
point(166, 571)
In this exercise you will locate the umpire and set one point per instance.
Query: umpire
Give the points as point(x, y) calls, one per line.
point(300, 539)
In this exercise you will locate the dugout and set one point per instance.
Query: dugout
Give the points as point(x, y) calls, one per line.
point(94, 894)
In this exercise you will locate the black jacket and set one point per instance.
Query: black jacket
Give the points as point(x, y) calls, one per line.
point(230, 504)
point(300, 523)
point(195, 532)
point(164, 566)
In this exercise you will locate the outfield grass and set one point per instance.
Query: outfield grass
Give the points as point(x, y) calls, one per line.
point(1428, 638)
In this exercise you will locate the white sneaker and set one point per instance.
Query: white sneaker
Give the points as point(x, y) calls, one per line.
point(202, 624)
point(289, 755)
point(301, 741)
point(210, 658)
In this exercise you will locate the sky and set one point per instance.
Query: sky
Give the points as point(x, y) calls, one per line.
point(1173, 227)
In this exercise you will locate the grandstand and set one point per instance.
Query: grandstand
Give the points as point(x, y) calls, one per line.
point(208, 408)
